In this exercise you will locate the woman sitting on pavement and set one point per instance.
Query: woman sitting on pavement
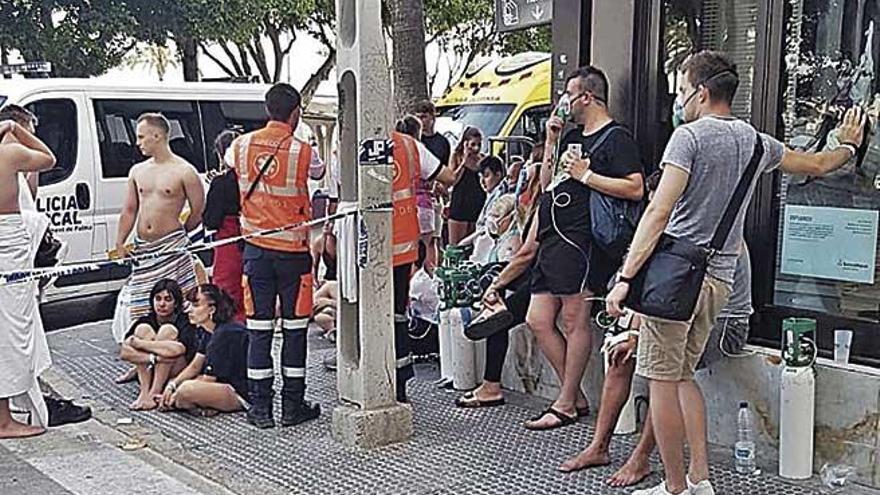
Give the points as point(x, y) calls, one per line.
point(324, 308)
point(216, 379)
point(159, 344)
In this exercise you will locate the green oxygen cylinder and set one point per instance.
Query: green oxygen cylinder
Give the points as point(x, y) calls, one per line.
point(799, 341)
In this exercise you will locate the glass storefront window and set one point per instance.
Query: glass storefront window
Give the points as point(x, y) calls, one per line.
point(724, 25)
point(827, 249)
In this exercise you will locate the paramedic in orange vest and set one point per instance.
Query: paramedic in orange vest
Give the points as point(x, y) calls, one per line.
point(412, 161)
point(272, 167)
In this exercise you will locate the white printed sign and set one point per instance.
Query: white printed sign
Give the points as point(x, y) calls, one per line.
point(830, 243)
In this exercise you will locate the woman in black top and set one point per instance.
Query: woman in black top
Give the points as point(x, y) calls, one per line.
point(468, 196)
point(216, 379)
point(159, 344)
point(222, 208)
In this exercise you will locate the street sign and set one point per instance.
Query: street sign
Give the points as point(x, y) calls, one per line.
point(513, 15)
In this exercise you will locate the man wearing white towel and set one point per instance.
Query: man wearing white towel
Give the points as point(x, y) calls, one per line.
point(22, 347)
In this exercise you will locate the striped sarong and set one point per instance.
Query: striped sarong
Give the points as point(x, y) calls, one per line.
point(144, 275)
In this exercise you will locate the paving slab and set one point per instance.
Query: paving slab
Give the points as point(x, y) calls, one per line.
point(452, 451)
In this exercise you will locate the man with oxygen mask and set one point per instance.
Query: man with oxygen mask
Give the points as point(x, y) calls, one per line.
point(568, 269)
point(702, 165)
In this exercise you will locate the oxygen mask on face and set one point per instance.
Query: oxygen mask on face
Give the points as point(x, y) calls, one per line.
point(563, 108)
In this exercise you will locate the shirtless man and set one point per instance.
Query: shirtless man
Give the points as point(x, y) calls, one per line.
point(158, 190)
point(159, 187)
point(20, 151)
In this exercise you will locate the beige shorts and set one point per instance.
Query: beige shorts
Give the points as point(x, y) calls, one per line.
point(670, 350)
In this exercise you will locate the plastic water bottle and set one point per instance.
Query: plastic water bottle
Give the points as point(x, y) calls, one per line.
point(744, 451)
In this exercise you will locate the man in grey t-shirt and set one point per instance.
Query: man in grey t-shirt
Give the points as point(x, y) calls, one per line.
point(701, 167)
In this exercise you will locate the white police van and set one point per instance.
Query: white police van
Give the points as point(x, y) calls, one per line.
point(90, 126)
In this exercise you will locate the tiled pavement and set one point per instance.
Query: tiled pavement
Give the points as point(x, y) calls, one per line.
point(452, 451)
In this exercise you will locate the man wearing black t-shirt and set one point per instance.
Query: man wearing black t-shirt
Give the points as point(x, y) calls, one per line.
point(568, 268)
point(430, 212)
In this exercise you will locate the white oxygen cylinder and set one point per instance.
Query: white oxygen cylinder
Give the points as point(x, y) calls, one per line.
point(444, 334)
point(627, 421)
point(464, 354)
point(796, 422)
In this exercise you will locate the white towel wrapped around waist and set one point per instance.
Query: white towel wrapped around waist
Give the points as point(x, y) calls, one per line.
point(24, 353)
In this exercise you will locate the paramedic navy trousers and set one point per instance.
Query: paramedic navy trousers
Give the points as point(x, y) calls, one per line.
point(272, 277)
point(402, 344)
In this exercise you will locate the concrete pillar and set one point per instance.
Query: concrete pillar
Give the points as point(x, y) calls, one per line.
point(368, 415)
point(613, 24)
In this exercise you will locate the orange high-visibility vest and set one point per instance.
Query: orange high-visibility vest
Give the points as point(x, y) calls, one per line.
point(405, 220)
point(281, 197)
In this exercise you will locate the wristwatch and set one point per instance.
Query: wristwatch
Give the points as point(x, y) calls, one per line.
point(622, 279)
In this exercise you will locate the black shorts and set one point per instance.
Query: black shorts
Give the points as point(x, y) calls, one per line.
point(560, 268)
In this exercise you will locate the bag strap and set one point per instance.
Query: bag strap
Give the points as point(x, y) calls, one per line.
point(265, 168)
point(604, 137)
point(739, 195)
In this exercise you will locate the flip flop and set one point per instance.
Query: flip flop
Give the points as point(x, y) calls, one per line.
point(583, 412)
point(483, 328)
point(470, 401)
point(564, 420)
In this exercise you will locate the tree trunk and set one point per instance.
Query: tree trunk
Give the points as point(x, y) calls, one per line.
point(311, 87)
point(189, 56)
point(4, 59)
point(408, 53)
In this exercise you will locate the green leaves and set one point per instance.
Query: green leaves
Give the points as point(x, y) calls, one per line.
point(80, 38)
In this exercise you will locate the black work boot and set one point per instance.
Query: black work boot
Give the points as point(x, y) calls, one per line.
point(261, 416)
point(62, 411)
point(296, 411)
point(404, 375)
point(401, 392)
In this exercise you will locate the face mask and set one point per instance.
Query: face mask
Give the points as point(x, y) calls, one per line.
point(677, 113)
point(493, 226)
point(678, 117)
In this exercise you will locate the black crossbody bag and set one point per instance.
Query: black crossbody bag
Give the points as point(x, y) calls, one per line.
point(669, 283)
point(613, 221)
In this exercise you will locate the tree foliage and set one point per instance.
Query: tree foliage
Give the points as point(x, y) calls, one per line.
point(234, 38)
point(79, 37)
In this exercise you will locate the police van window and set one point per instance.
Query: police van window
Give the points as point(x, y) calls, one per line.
point(241, 116)
point(116, 121)
point(57, 128)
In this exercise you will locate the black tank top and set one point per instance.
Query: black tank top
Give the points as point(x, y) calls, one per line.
point(468, 197)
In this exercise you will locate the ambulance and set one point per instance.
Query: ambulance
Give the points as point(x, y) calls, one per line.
point(504, 98)
point(90, 126)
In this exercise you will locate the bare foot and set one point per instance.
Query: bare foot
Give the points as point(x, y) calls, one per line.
point(128, 376)
point(14, 429)
point(634, 471)
point(481, 394)
point(143, 404)
point(588, 458)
